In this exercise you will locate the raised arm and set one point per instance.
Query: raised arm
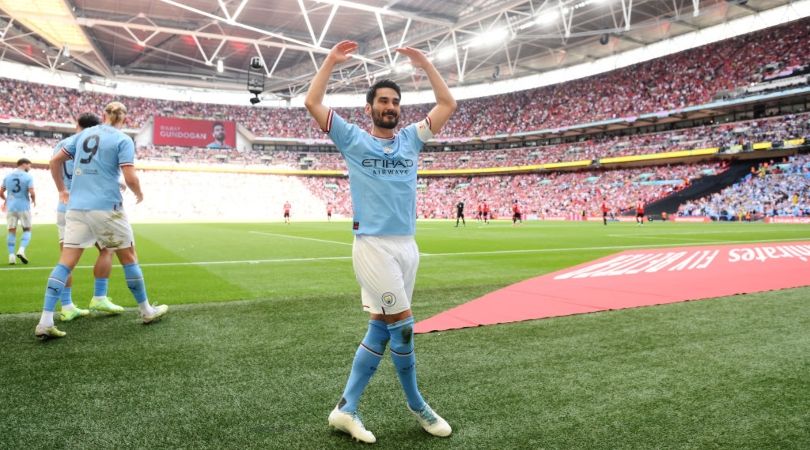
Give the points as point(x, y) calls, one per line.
point(445, 103)
point(317, 89)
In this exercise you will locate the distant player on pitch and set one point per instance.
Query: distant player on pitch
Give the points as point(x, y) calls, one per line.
point(460, 213)
point(640, 212)
point(382, 173)
point(95, 213)
point(517, 214)
point(18, 195)
point(287, 207)
point(605, 211)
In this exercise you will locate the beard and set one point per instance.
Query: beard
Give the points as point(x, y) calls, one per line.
point(382, 120)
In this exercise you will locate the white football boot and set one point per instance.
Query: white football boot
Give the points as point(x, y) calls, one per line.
point(432, 422)
point(350, 423)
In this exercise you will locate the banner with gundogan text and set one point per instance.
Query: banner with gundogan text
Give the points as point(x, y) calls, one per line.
point(178, 132)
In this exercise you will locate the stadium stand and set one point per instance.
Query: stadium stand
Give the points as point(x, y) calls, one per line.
point(689, 78)
point(771, 189)
point(542, 195)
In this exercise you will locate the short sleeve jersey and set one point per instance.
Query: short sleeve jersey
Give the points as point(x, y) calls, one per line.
point(98, 154)
point(382, 175)
point(17, 184)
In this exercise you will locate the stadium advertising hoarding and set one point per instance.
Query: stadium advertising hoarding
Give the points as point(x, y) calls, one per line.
point(783, 219)
point(644, 277)
point(213, 134)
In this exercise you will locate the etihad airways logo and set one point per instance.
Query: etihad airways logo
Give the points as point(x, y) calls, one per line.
point(388, 166)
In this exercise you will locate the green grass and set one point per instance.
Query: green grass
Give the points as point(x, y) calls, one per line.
point(255, 351)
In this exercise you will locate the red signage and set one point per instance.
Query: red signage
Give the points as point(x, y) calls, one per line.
point(782, 219)
point(194, 133)
point(637, 278)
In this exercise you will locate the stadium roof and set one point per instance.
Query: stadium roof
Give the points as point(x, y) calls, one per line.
point(183, 41)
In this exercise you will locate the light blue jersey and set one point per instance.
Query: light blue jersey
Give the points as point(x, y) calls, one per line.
point(382, 175)
point(98, 154)
point(67, 169)
point(17, 184)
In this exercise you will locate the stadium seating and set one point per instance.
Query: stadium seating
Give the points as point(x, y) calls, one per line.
point(675, 81)
point(542, 195)
point(772, 189)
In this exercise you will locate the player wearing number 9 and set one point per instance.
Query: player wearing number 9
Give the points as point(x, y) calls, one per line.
point(95, 212)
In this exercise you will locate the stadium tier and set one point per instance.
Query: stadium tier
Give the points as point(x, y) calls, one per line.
point(587, 220)
point(771, 189)
point(694, 77)
point(725, 136)
point(198, 196)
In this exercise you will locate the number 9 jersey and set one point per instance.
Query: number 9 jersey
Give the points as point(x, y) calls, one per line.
point(98, 154)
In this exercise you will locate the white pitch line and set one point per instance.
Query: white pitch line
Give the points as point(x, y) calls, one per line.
point(612, 247)
point(661, 237)
point(299, 237)
point(203, 263)
point(660, 232)
point(493, 252)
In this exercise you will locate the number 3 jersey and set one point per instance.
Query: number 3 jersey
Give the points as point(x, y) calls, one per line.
point(17, 184)
point(98, 154)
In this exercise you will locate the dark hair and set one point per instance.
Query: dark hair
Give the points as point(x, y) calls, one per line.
point(372, 91)
point(218, 124)
point(88, 120)
point(22, 161)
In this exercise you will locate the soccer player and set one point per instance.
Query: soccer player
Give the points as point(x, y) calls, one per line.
point(382, 173)
point(460, 213)
point(218, 133)
point(516, 214)
point(480, 211)
point(95, 213)
point(329, 211)
point(18, 195)
point(640, 212)
point(101, 271)
point(605, 211)
point(287, 207)
point(485, 209)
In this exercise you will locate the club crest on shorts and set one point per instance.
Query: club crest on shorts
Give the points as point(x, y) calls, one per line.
point(389, 299)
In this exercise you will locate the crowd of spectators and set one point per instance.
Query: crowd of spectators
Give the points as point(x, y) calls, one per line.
point(597, 146)
point(562, 194)
point(725, 135)
point(197, 196)
point(771, 189)
point(675, 81)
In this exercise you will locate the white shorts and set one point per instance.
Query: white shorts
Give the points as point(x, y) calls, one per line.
point(110, 229)
point(60, 225)
point(21, 218)
point(385, 267)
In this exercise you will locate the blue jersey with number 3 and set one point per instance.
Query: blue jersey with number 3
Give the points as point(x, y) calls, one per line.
point(98, 154)
point(67, 169)
point(17, 184)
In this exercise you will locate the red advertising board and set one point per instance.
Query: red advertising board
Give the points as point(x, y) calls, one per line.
point(788, 220)
point(638, 277)
point(194, 133)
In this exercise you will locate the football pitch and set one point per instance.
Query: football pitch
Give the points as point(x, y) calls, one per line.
point(265, 320)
